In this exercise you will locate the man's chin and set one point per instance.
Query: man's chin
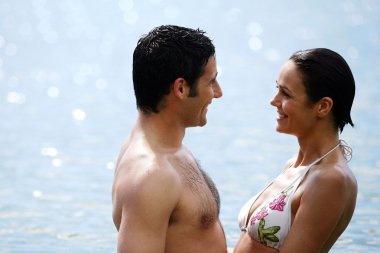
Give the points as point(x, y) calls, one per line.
point(203, 122)
point(200, 124)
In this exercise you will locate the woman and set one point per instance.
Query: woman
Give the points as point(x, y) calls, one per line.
point(309, 205)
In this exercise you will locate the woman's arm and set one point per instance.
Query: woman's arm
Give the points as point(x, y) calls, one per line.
point(321, 207)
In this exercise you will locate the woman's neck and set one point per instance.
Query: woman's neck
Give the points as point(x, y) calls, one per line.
point(310, 149)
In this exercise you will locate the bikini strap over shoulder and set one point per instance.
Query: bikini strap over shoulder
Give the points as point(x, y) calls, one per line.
point(347, 152)
point(329, 152)
point(319, 159)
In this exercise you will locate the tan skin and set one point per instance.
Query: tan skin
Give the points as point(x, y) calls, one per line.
point(325, 201)
point(162, 201)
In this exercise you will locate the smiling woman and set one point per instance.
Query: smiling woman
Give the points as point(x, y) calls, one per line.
point(289, 215)
point(292, 103)
point(56, 170)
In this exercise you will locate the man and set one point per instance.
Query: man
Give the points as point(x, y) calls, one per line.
point(162, 200)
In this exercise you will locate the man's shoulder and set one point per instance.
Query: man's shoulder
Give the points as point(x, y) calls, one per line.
point(139, 181)
point(145, 169)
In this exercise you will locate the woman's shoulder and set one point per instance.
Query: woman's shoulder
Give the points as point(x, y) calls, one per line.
point(335, 172)
point(334, 177)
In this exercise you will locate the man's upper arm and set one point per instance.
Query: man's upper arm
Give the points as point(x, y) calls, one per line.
point(147, 203)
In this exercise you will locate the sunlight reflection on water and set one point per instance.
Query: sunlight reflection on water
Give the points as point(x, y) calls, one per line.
point(67, 102)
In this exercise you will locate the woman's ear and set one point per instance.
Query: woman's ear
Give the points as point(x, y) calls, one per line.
point(180, 88)
point(324, 106)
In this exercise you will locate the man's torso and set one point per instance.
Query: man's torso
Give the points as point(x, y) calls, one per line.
point(194, 224)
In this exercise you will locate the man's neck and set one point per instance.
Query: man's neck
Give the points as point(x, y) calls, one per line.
point(162, 130)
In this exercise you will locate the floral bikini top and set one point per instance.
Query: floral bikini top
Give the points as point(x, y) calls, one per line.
point(270, 223)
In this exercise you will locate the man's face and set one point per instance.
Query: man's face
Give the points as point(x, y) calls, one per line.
point(207, 88)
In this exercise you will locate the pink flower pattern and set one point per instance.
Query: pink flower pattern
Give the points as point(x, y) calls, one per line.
point(259, 216)
point(269, 233)
point(278, 203)
point(253, 221)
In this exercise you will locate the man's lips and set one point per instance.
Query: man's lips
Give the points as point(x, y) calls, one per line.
point(281, 115)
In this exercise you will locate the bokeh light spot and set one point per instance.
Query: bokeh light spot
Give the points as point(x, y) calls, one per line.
point(79, 114)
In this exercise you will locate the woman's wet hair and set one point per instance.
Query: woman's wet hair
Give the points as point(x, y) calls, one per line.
point(326, 74)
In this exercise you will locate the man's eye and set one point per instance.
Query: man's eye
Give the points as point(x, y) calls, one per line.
point(285, 94)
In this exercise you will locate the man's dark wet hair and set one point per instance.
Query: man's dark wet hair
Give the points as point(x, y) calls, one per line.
point(166, 53)
point(326, 74)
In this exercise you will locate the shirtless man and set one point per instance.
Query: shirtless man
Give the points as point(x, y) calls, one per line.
point(162, 200)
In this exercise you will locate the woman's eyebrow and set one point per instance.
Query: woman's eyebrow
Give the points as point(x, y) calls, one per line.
point(283, 86)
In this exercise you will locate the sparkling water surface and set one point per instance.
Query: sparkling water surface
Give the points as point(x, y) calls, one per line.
point(66, 104)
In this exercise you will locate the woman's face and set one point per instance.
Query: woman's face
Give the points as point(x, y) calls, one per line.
point(296, 114)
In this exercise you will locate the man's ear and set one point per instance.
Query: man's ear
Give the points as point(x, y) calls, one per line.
point(180, 88)
point(324, 106)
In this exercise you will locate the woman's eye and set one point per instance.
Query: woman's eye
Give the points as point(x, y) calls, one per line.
point(281, 90)
point(285, 94)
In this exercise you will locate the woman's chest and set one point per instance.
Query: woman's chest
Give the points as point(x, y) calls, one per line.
point(281, 192)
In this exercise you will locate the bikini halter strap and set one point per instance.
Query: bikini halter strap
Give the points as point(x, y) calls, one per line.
point(329, 152)
point(319, 159)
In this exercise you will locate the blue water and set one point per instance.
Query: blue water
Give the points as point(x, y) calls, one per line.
point(66, 104)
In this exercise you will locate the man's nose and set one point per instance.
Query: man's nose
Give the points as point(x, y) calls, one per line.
point(217, 90)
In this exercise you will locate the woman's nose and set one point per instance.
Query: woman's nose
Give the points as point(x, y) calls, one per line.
point(275, 102)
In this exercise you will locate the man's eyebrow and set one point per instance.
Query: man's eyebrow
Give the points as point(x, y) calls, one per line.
point(216, 74)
